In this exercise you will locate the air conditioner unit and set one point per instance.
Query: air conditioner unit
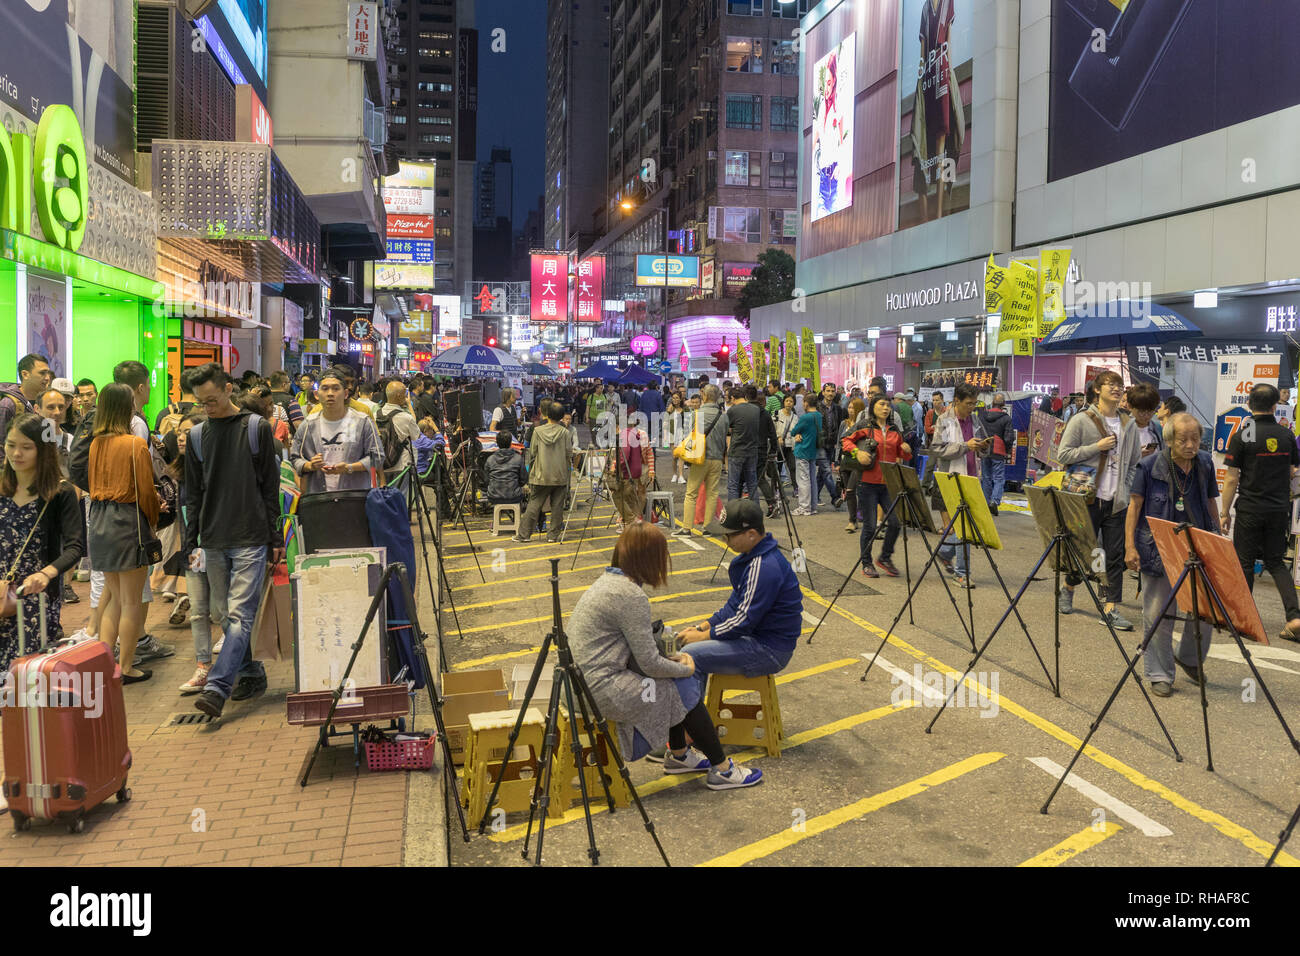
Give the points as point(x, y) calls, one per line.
point(713, 154)
point(778, 157)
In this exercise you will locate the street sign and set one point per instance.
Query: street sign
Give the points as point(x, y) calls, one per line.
point(665, 368)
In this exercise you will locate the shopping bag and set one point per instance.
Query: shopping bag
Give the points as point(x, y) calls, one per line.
point(272, 628)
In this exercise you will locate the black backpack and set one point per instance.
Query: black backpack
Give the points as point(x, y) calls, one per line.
point(79, 453)
point(392, 442)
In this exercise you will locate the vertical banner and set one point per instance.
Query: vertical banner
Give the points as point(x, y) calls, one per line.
point(1020, 305)
point(791, 357)
point(591, 288)
point(743, 367)
point(808, 355)
point(995, 277)
point(1053, 265)
point(773, 358)
point(549, 293)
point(760, 365)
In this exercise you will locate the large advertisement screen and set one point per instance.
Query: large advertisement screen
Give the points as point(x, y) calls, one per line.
point(550, 287)
point(1132, 77)
point(83, 58)
point(236, 33)
point(831, 188)
point(935, 85)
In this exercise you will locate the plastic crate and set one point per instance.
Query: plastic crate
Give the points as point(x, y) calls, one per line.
point(383, 702)
point(401, 755)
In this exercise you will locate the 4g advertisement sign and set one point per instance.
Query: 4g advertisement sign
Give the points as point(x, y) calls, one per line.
point(1236, 378)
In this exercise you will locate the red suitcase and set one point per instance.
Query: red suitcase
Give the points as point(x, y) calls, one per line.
point(64, 724)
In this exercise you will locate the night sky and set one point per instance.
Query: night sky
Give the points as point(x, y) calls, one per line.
point(512, 93)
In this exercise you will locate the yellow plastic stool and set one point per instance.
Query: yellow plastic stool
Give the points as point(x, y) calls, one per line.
point(564, 778)
point(489, 734)
point(745, 724)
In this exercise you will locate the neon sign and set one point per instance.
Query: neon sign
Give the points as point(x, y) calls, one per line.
point(59, 179)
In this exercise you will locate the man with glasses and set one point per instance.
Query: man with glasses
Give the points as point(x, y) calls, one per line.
point(959, 443)
point(1103, 440)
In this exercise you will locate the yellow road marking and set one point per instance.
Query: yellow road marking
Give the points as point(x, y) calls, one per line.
point(545, 594)
point(1072, 846)
point(485, 555)
point(537, 620)
point(668, 781)
point(828, 821)
point(493, 545)
point(546, 574)
point(1221, 823)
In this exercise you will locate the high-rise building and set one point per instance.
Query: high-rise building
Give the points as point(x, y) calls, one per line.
point(494, 197)
point(577, 128)
point(433, 76)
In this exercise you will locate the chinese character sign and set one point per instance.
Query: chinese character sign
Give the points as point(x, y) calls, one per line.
point(995, 277)
point(363, 31)
point(550, 287)
point(590, 289)
point(792, 373)
point(1053, 266)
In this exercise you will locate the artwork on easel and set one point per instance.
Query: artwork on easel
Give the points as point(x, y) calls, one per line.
point(980, 520)
point(1219, 558)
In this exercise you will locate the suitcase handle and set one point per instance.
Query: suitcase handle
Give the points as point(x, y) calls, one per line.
point(22, 623)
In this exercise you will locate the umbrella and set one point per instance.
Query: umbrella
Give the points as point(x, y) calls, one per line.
point(474, 361)
point(636, 375)
point(601, 370)
point(1112, 325)
point(537, 368)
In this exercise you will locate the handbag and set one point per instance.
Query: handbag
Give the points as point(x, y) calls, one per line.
point(169, 492)
point(1082, 479)
point(9, 597)
point(693, 447)
point(151, 550)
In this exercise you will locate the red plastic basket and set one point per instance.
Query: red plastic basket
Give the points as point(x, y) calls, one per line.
point(401, 755)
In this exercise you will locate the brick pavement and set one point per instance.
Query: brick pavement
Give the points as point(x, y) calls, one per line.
point(227, 793)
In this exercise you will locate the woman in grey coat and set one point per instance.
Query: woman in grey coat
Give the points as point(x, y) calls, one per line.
point(652, 698)
point(1103, 438)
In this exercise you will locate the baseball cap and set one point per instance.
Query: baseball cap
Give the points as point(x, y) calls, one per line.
point(742, 515)
point(63, 385)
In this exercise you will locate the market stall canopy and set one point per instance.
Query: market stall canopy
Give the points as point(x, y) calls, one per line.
point(636, 375)
point(601, 370)
point(538, 369)
point(1110, 326)
point(474, 360)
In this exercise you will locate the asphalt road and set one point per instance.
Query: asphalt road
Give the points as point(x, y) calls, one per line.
point(860, 781)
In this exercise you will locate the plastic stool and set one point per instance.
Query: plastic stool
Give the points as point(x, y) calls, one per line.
point(486, 741)
point(499, 510)
point(743, 724)
point(660, 497)
point(597, 760)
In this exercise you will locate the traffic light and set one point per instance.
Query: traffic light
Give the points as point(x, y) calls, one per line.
point(722, 359)
point(490, 334)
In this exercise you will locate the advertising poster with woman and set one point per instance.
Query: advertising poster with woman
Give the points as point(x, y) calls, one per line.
point(47, 321)
point(935, 83)
point(832, 149)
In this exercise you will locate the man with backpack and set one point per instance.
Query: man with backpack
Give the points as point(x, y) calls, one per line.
point(996, 424)
point(34, 377)
point(397, 429)
point(280, 395)
point(232, 509)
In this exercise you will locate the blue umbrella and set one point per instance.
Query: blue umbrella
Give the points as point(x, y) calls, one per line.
point(1112, 325)
point(474, 361)
point(601, 370)
point(537, 368)
point(636, 375)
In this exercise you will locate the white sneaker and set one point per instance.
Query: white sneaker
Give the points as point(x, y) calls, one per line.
point(198, 682)
point(216, 648)
point(80, 635)
point(690, 762)
point(734, 777)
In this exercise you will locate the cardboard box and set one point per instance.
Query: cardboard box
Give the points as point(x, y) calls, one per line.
point(519, 683)
point(465, 693)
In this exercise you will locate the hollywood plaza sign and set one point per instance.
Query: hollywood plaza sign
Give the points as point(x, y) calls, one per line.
point(962, 291)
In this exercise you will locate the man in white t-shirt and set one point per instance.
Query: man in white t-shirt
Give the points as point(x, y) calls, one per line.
point(1143, 401)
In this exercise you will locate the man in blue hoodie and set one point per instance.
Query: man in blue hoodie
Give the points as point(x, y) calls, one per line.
point(757, 629)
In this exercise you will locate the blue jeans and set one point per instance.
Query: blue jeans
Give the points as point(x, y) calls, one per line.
point(953, 550)
point(742, 475)
point(825, 477)
point(993, 478)
point(870, 495)
point(235, 577)
point(737, 655)
point(202, 610)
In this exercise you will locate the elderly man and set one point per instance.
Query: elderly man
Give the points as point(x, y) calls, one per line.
point(1177, 485)
point(395, 413)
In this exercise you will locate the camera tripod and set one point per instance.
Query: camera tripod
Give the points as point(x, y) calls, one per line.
point(419, 505)
point(468, 468)
point(568, 680)
point(600, 490)
point(791, 530)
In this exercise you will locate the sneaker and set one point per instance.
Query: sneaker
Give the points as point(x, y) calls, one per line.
point(1065, 601)
point(552, 539)
point(802, 513)
point(868, 571)
point(181, 612)
point(79, 636)
point(69, 595)
point(838, 504)
point(657, 755)
point(733, 777)
point(887, 566)
point(682, 532)
point(169, 596)
point(247, 687)
point(691, 762)
point(993, 509)
point(1118, 621)
point(151, 649)
point(519, 539)
point(1162, 688)
point(945, 562)
point(962, 581)
point(221, 642)
point(210, 702)
point(199, 681)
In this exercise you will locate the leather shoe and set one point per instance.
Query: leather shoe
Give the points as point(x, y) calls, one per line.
point(1162, 688)
point(144, 674)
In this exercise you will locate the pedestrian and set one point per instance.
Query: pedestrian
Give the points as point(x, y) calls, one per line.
point(851, 477)
point(34, 377)
point(932, 415)
point(1262, 460)
point(674, 433)
point(1143, 401)
point(959, 443)
point(871, 490)
point(232, 509)
point(504, 416)
point(745, 445)
point(395, 423)
point(828, 454)
point(1176, 485)
point(996, 425)
point(41, 530)
point(630, 471)
point(124, 509)
point(709, 420)
point(550, 464)
point(1101, 444)
point(807, 433)
point(613, 642)
point(786, 418)
point(335, 450)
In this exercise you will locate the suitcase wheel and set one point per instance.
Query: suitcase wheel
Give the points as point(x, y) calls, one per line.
point(20, 822)
point(77, 824)
point(124, 794)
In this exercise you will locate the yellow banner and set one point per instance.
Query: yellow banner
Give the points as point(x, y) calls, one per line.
point(743, 367)
point(1053, 266)
point(1020, 303)
point(773, 358)
point(1023, 347)
point(792, 357)
point(995, 277)
point(760, 365)
point(808, 354)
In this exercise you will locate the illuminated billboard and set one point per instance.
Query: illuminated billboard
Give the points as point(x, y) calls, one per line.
point(590, 288)
point(831, 188)
point(235, 32)
point(683, 272)
point(550, 287)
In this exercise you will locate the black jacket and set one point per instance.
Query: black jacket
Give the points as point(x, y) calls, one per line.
point(65, 531)
point(506, 476)
point(232, 499)
point(997, 423)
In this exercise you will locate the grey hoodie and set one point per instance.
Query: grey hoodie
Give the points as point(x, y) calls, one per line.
point(550, 456)
point(1079, 447)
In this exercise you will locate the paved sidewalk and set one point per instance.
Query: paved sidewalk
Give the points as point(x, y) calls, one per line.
point(227, 793)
